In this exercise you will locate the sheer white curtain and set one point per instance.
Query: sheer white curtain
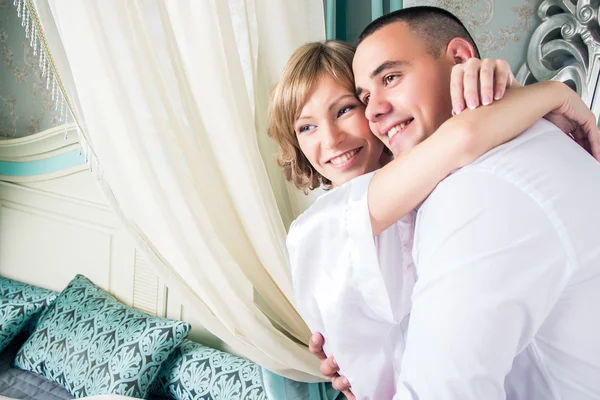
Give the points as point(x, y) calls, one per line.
point(172, 96)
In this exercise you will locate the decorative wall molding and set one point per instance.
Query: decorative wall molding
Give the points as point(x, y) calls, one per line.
point(48, 237)
point(50, 154)
point(46, 144)
point(566, 47)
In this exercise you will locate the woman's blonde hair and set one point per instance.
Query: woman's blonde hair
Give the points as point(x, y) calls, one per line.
point(306, 66)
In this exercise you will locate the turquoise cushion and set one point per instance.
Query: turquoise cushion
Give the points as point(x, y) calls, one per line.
point(11, 289)
point(198, 372)
point(91, 344)
point(14, 315)
point(280, 388)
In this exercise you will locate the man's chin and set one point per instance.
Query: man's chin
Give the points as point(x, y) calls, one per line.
point(403, 144)
point(400, 147)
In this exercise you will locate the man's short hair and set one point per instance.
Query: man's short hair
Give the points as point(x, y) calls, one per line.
point(435, 26)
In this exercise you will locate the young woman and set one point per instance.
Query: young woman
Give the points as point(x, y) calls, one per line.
point(350, 269)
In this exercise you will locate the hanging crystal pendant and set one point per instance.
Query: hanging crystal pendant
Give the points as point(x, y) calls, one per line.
point(34, 40)
point(24, 16)
point(44, 66)
point(62, 110)
point(41, 63)
point(27, 19)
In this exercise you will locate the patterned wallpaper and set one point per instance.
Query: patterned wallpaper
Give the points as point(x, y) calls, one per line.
point(26, 106)
point(501, 28)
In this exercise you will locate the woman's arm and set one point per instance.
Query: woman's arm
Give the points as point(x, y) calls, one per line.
point(405, 182)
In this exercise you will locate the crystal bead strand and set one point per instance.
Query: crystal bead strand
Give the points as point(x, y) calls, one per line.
point(53, 86)
point(41, 63)
point(57, 99)
point(34, 40)
point(27, 19)
point(44, 65)
point(62, 110)
point(23, 15)
point(29, 22)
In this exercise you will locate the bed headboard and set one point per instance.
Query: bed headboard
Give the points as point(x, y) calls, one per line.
point(55, 223)
point(566, 47)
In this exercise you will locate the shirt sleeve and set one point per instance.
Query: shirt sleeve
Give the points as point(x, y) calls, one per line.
point(331, 249)
point(491, 265)
point(339, 287)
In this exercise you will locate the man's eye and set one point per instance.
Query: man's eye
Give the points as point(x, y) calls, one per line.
point(389, 79)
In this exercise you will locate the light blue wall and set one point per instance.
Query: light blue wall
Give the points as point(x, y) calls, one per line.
point(43, 166)
point(26, 106)
point(501, 28)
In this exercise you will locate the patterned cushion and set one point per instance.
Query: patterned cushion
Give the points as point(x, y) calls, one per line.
point(280, 388)
point(195, 372)
point(14, 314)
point(24, 292)
point(91, 344)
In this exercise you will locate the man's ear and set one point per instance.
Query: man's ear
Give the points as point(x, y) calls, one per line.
point(459, 50)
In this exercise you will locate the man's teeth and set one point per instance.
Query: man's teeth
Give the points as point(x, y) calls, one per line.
point(397, 129)
point(343, 158)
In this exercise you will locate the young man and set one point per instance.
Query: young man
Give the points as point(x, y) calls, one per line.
point(507, 301)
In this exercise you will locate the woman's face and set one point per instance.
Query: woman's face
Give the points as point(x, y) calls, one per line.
point(334, 134)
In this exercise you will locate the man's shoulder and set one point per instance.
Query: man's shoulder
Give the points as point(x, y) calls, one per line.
point(536, 149)
point(530, 140)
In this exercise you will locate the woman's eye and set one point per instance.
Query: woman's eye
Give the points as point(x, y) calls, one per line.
point(304, 128)
point(365, 99)
point(344, 110)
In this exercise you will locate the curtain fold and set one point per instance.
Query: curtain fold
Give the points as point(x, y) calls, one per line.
point(171, 98)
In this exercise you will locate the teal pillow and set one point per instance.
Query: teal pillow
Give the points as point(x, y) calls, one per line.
point(91, 344)
point(14, 315)
point(198, 372)
point(40, 297)
point(280, 388)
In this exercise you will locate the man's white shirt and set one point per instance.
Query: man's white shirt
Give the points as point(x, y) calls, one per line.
point(507, 299)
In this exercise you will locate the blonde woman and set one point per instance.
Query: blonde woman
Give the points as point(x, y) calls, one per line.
point(349, 269)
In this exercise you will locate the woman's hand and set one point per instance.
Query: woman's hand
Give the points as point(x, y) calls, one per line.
point(329, 368)
point(479, 82)
point(575, 119)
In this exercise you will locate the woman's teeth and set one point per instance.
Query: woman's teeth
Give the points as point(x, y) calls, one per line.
point(344, 157)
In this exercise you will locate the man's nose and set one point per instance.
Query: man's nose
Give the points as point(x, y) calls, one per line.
point(377, 107)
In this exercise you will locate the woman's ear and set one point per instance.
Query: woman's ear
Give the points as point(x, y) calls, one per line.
point(459, 50)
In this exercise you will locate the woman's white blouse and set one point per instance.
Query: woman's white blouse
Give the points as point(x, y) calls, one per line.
point(353, 288)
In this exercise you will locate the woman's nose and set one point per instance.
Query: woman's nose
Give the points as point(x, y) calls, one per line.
point(333, 136)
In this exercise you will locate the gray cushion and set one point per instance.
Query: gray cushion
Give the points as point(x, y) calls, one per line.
point(22, 384)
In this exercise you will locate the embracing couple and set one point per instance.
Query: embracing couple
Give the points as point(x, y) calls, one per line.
point(456, 253)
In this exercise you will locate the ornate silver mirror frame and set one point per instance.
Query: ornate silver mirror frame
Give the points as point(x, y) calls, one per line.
point(566, 47)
